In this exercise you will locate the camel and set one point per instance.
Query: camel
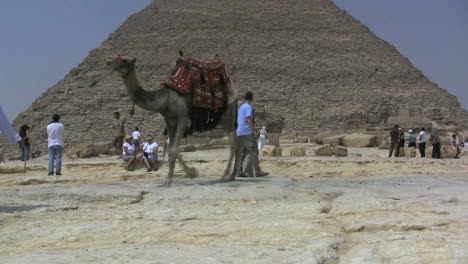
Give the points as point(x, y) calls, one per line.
point(177, 111)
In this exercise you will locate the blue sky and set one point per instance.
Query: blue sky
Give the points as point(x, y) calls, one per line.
point(42, 40)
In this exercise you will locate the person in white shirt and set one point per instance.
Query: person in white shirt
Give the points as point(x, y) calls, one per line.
point(128, 153)
point(422, 142)
point(262, 138)
point(55, 144)
point(136, 139)
point(150, 154)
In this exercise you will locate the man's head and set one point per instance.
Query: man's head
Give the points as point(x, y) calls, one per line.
point(150, 139)
point(248, 96)
point(396, 126)
point(55, 118)
point(423, 129)
point(136, 128)
point(116, 115)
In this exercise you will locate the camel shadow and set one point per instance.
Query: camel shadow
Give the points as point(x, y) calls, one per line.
point(238, 181)
point(20, 208)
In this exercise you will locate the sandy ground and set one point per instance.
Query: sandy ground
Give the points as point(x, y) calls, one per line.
point(364, 208)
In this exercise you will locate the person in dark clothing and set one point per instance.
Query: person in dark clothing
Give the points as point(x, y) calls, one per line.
point(25, 143)
point(435, 140)
point(401, 142)
point(394, 141)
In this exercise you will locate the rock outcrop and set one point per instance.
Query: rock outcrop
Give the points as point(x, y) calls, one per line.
point(360, 140)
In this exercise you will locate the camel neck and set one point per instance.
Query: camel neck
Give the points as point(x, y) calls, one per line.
point(148, 100)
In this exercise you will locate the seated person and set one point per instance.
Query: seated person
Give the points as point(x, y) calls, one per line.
point(128, 154)
point(150, 154)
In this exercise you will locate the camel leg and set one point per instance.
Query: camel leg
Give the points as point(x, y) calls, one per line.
point(171, 129)
point(175, 152)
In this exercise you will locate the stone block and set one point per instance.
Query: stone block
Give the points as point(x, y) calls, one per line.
point(325, 150)
point(340, 151)
point(272, 151)
point(360, 140)
point(301, 140)
point(408, 152)
point(286, 141)
point(334, 140)
point(298, 152)
point(448, 152)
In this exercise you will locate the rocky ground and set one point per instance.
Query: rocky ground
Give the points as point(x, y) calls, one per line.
point(364, 208)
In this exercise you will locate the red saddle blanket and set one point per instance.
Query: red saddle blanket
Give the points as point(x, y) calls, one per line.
point(207, 81)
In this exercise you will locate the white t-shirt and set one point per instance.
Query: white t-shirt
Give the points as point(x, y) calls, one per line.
point(150, 148)
point(130, 148)
point(136, 134)
point(55, 134)
point(422, 137)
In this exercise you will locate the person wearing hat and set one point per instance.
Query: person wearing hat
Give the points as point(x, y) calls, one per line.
point(128, 154)
point(412, 139)
point(150, 154)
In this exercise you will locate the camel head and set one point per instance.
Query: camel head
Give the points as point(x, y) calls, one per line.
point(122, 64)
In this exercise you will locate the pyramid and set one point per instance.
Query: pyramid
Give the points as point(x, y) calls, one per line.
point(308, 62)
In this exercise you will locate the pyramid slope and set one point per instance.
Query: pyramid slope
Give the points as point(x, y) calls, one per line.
point(306, 61)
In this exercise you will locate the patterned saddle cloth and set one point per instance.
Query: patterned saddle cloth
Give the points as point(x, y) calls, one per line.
point(207, 81)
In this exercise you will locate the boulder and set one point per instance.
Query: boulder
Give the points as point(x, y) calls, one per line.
point(334, 140)
point(360, 140)
point(408, 152)
point(324, 150)
point(272, 151)
point(340, 151)
point(385, 144)
point(298, 152)
point(318, 139)
point(88, 150)
point(448, 152)
point(188, 148)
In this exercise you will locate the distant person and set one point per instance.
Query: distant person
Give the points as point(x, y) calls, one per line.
point(401, 141)
point(1, 154)
point(55, 132)
point(25, 144)
point(262, 138)
point(119, 131)
point(394, 141)
point(166, 146)
point(247, 136)
point(150, 154)
point(128, 153)
point(136, 139)
point(422, 142)
point(453, 142)
point(435, 141)
point(411, 139)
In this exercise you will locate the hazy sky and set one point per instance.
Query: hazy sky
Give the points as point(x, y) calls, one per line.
point(42, 40)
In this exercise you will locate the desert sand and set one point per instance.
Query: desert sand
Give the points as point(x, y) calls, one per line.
point(364, 208)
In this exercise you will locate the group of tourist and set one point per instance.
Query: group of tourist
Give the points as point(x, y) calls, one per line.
point(397, 141)
point(130, 147)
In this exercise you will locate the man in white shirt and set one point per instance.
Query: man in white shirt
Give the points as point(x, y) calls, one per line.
point(136, 139)
point(55, 144)
point(422, 142)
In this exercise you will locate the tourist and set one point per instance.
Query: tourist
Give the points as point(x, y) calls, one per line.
point(128, 153)
point(150, 154)
point(247, 136)
point(262, 138)
point(136, 139)
point(394, 141)
point(422, 142)
point(401, 142)
point(119, 132)
point(55, 143)
point(454, 143)
point(435, 141)
point(411, 139)
point(25, 144)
